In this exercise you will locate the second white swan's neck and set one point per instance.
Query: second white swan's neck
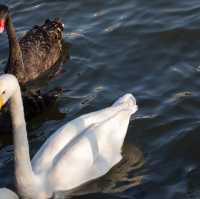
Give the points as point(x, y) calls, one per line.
point(23, 169)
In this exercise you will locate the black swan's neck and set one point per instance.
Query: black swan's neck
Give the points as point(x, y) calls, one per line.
point(15, 53)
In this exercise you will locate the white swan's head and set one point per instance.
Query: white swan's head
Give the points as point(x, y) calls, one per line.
point(8, 86)
point(7, 194)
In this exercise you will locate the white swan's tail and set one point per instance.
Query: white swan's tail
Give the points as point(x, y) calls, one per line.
point(129, 101)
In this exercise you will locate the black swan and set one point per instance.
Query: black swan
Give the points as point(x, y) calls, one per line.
point(35, 52)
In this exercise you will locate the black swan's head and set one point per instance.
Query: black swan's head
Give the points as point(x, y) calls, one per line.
point(3, 16)
point(56, 23)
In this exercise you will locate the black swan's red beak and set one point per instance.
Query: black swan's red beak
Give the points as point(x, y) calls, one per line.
point(2, 25)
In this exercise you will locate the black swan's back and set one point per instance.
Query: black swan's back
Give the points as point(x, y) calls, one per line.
point(41, 49)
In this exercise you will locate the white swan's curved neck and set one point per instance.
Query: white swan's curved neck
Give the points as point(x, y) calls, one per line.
point(23, 169)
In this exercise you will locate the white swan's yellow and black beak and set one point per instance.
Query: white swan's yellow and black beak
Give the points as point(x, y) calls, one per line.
point(1, 102)
point(2, 25)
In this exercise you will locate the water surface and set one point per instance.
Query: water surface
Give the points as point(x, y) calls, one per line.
point(148, 48)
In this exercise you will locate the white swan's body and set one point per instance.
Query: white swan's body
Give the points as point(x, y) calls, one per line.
point(7, 194)
point(82, 150)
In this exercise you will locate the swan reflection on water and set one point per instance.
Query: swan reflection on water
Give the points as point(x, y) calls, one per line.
point(119, 179)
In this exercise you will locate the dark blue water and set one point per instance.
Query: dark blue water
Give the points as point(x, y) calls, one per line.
point(148, 48)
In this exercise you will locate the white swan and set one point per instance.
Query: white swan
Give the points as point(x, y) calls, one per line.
point(83, 149)
point(7, 194)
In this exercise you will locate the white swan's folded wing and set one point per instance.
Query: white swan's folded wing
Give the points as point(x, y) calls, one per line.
point(63, 136)
point(92, 154)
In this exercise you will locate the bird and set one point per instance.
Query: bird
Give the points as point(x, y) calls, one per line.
point(7, 194)
point(36, 52)
point(81, 150)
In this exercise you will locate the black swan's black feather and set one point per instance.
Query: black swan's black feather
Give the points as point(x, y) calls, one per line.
point(40, 48)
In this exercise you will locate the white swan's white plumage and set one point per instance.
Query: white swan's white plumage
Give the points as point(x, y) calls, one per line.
point(7, 194)
point(83, 149)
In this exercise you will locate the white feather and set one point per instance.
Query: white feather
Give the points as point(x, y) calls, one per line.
point(82, 150)
point(7, 194)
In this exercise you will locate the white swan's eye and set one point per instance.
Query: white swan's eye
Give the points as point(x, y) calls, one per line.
point(3, 93)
